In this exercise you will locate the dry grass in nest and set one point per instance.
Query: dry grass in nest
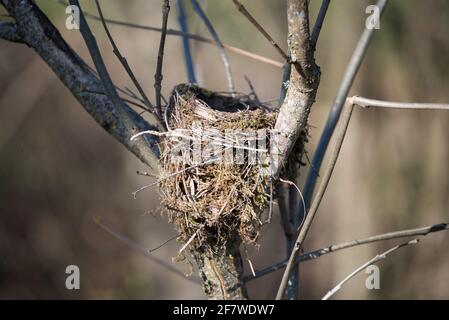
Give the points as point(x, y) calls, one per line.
point(211, 203)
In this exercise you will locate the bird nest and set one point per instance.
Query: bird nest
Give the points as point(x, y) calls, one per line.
point(213, 182)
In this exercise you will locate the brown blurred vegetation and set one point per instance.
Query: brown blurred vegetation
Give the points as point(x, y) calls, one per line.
point(58, 169)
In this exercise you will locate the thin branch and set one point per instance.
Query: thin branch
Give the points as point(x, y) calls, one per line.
point(122, 59)
point(251, 19)
point(224, 57)
point(252, 90)
point(295, 187)
point(95, 54)
point(172, 32)
point(423, 231)
point(334, 114)
point(346, 117)
point(141, 250)
point(368, 103)
point(182, 20)
point(160, 58)
point(9, 32)
point(319, 22)
point(374, 260)
point(284, 212)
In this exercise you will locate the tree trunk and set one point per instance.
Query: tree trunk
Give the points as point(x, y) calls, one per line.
point(221, 270)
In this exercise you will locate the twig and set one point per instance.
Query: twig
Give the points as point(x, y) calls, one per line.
point(334, 114)
point(349, 244)
point(292, 184)
point(160, 58)
point(377, 258)
point(189, 241)
point(182, 20)
point(346, 117)
point(368, 103)
point(122, 59)
point(252, 90)
point(92, 46)
point(319, 23)
point(251, 19)
point(163, 243)
point(140, 106)
point(224, 57)
point(172, 32)
point(139, 249)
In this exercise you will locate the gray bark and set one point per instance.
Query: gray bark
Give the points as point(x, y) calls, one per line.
point(302, 85)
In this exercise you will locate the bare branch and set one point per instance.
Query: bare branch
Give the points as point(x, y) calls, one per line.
point(123, 60)
point(349, 244)
point(39, 33)
point(368, 103)
point(224, 57)
point(319, 196)
point(319, 22)
point(377, 258)
point(141, 250)
point(248, 15)
point(182, 20)
point(8, 31)
point(172, 32)
point(160, 58)
point(334, 115)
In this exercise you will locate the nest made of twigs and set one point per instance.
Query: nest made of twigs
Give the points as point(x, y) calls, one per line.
point(212, 202)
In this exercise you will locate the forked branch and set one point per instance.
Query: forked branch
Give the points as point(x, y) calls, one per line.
point(423, 231)
point(38, 32)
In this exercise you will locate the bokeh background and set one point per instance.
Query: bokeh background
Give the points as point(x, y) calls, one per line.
point(59, 170)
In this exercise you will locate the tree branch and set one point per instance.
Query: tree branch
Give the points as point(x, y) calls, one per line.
point(172, 32)
point(219, 44)
point(251, 19)
point(368, 103)
point(8, 31)
point(39, 33)
point(337, 106)
point(122, 59)
point(160, 58)
point(182, 20)
point(302, 86)
point(319, 22)
point(319, 196)
point(377, 258)
point(349, 244)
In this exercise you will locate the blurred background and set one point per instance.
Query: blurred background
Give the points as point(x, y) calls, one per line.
point(59, 170)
